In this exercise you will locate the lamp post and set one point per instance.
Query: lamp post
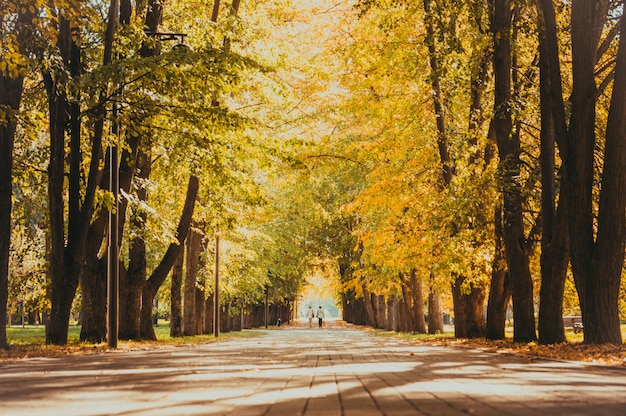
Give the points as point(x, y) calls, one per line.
point(114, 187)
point(267, 312)
point(113, 248)
point(113, 273)
point(216, 294)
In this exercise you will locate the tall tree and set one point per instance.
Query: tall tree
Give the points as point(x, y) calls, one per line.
point(176, 318)
point(599, 264)
point(134, 281)
point(68, 240)
point(596, 242)
point(515, 242)
point(597, 257)
point(178, 81)
point(15, 18)
point(93, 277)
point(554, 242)
point(468, 294)
point(193, 245)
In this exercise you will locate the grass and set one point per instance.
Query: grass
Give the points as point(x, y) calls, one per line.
point(30, 341)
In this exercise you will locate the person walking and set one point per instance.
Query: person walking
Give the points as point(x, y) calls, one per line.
point(310, 314)
point(320, 315)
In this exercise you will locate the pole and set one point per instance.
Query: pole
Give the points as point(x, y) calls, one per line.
point(113, 258)
point(267, 291)
point(114, 186)
point(216, 295)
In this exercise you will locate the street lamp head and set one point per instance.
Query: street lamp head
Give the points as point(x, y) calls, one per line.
point(180, 37)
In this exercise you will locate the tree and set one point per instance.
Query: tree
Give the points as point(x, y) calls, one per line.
point(554, 242)
point(516, 243)
point(133, 279)
point(93, 278)
point(67, 246)
point(173, 252)
point(171, 116)
point(15, 31)
point(194, 244)
point(596, 242)
point(176, 319)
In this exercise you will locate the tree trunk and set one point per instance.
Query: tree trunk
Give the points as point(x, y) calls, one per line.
point(199, 318)
point(417, 301)
point(201, 295)
point(367, 300)
point(469, 321)
point(607, 257)
point(131, 291)
point(360, 314)
point(435, 310)
point(208, 315)
point(497, 305)
point(93, 282)
point(225, 321)
point(500, 288)
point(94, 274)
point(408, 301)
point(435, 313)
point(93, 277)
point(378, 314)
point(190, 323)
point(414, 301)
point(346, 308)
point(390, 314)
point(161, 271)
point(598, 266)
point(176, 318)
point(11, 90)
point(395, 314)
point(61, 287)
point(402, 317)
point(64, 264)
point(382, 310)
point(516, 247)
point(554, 242)
point(554, 262)
point(133, 281)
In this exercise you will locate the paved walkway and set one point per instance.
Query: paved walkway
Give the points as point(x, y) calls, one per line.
point(301, 371)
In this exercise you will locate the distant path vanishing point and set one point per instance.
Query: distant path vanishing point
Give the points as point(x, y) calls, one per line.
point(294, 370)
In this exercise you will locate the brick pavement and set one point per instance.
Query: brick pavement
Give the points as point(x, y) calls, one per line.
point(299, 371)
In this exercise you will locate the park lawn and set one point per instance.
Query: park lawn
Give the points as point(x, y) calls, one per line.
point(30, 341)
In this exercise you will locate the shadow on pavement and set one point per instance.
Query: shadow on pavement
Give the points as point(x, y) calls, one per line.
point(299, 371)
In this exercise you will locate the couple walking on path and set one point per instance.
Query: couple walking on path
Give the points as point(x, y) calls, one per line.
point(319, 314)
